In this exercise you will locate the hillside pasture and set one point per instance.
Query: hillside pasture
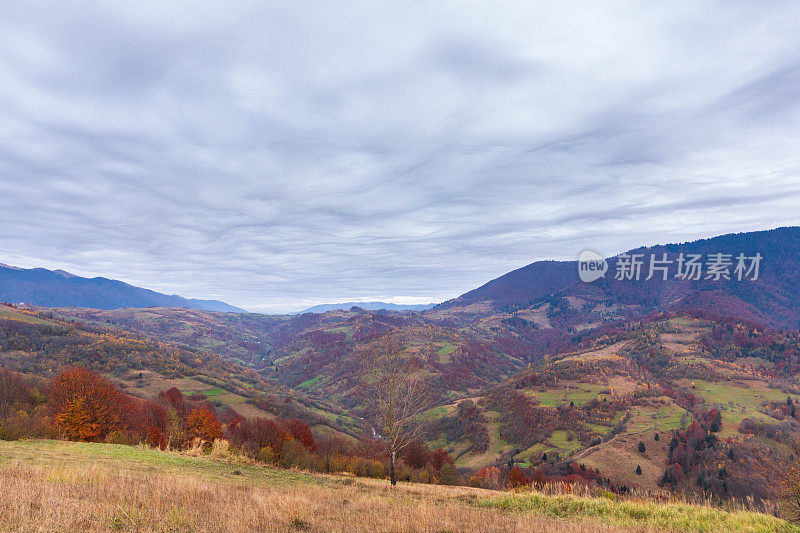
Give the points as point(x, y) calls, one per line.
point(579, 393)
point(62, 486)
point(737, 400)
point(619, 457)
point(445, 350)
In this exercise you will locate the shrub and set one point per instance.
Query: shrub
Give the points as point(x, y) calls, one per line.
point(155, 438)
point(611, 496)
point(299, 524)
point(220, 449)
point(122, 437)
point(449, 475)
point(267, 433)
point(266, 455)
point(441, 458)
point(516, 478)
point(490, 477)
point(14, 392)
point(294, 454)
point(716, 421)
point(302, 433)
point(363, 467)
point(424, 475)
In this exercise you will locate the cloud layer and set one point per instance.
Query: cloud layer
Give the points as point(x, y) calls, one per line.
point(278, 155)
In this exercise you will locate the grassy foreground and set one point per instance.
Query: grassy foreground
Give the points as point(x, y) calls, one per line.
point(63, 486)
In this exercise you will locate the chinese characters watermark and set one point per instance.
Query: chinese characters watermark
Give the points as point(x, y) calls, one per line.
point(691, 267)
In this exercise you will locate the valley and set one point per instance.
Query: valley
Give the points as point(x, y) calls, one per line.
point(577, 387)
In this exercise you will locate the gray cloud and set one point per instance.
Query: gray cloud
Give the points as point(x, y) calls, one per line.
point(277, 155)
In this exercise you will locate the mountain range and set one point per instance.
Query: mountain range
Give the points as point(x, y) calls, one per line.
point(771, 299)
point(57, 288)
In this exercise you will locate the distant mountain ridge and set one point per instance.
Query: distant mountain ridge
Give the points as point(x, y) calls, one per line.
point(370, 306)
point(57, 288)
point(773, 299)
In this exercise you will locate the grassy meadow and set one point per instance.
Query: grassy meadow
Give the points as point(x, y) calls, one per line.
point(66, 486)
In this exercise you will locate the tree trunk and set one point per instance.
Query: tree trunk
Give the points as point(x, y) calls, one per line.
point(392, 474)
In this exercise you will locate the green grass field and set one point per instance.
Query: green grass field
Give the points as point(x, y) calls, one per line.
point(664, 516)
point(209, 393)
point(347, 330)
point(560, 441)
point(737, 402)
point(525, 457)
point(446, 349)
point(659, 419)
point(316, 381)
point(580, 393)
point(12, 314)
point(437, 412)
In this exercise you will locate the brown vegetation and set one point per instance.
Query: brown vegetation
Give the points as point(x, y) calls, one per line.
point(75, 493)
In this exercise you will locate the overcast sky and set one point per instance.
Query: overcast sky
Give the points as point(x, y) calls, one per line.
point(279, 155)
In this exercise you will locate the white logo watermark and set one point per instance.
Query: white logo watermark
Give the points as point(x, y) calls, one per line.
point(591, 266)
point(693, 267)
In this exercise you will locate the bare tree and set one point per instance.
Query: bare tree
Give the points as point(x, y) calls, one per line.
point(394, 395)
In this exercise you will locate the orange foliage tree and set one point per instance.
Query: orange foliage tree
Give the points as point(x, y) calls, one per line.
point(490, 477)
point(203, 424)
point(86, 406)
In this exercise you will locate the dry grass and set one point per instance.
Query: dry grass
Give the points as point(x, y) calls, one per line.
point(80, 487)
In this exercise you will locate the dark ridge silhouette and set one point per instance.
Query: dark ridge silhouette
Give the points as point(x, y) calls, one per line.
point(57, 288)
point(772, 299)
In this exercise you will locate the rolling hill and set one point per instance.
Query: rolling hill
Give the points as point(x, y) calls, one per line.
point(56, 288)
point(634, 397)
point(39, 343)
point(657, 382)
point(485, 336)
point(372, 306)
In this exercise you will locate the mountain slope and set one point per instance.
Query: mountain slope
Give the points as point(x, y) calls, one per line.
point(56, 288)
point(521, 286)
point(482, 338)
point(773, 299)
